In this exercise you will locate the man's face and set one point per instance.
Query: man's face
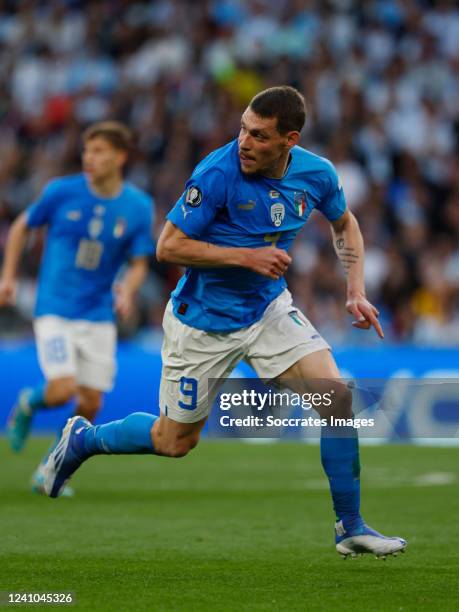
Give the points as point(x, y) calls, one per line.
point(101, 159)
point(261, 146)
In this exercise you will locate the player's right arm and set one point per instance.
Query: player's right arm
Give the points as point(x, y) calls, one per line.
point(38, 214)
point(174, 246)
point(13, 251)
point(180, 241)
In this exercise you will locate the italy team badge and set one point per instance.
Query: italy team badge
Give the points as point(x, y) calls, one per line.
point(120, 228)
point(299, 200)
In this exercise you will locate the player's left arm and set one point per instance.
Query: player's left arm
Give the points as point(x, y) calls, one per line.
point(140, 247)
point(348, 244)
point(126, 290)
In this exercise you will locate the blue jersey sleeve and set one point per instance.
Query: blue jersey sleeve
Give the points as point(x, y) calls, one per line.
point(204, 196)
point(333, 203)
point(142, 241)
point(40, 212)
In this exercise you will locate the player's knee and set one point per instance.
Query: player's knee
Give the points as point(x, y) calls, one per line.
point(342, 401)
point(60, 391)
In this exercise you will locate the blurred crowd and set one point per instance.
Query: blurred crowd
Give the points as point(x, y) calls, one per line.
point(381, 79)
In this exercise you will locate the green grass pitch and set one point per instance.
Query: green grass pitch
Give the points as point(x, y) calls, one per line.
point(233, 526)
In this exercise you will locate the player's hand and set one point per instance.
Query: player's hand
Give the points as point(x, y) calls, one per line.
point(269, 261)
point(124, 302)
point(7, 293)
point(366, 315)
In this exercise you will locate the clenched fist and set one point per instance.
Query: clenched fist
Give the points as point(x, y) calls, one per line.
point(269, 261)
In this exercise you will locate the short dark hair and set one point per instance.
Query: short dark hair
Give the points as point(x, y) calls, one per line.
point(283, 102)
point(116, 133)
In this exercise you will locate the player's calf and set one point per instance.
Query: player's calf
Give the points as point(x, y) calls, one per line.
point(176, 447)
point(174, 439)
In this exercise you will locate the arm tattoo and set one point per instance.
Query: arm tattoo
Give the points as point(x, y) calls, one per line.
point(347, 255)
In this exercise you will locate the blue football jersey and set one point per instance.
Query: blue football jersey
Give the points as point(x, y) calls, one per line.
point(89, 238)
point(223, 206)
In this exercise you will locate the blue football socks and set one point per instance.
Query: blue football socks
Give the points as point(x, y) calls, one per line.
point(339, 448)
point(131, 435)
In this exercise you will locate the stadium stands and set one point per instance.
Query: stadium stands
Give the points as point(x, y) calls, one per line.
point(382, 82)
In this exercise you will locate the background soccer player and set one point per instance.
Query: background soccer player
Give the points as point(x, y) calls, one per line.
point(96, 222)
point(242, 208)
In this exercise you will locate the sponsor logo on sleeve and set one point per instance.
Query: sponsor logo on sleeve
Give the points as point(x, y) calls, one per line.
point(185, 211)
point(193, 196)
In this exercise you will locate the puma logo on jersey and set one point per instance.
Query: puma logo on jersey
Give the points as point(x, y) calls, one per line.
point(250, 205)
point(185, 211)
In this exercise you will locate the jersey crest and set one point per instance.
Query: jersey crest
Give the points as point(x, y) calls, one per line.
point(277, 213)
point(300, 202)
point(120, 227)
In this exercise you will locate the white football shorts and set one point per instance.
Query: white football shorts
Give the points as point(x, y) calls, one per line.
point(191, 356)
point(82, 349)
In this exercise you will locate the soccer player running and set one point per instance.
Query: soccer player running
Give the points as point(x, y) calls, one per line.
point(96, 222)
point(232, 227)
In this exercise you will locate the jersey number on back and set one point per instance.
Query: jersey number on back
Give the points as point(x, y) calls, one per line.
point(89, 254)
